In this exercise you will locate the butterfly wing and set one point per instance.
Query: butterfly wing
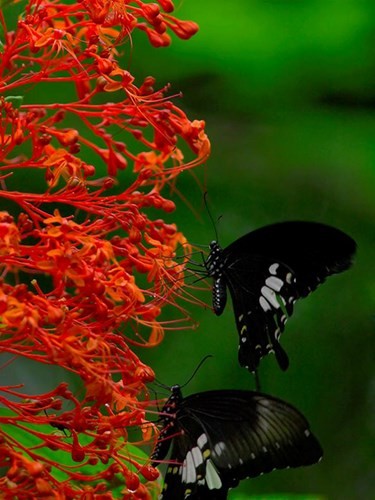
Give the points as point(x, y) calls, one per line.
point(226, 436)
point(191, 474)
point(267, 270)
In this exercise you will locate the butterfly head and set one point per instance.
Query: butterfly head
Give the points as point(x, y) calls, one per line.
point(176, 393)
point(215, 248)
point(173, 401)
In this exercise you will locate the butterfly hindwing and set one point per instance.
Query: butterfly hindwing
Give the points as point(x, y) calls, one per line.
point(266, 271)
point(225, 436)
point(193, 474)
point(261, 307)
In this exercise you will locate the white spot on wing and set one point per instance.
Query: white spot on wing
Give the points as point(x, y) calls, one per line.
point(202, 440)
point(270, 296)
point(274, 283)
point(184, 469)
point(197, 456)
point(219, 448)
point(273, 268)
point(190, 469)
point(264, 304)
point(212, 477)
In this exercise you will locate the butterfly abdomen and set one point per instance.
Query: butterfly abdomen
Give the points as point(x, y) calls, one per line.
point(219, 296)
point(215, 266)
point(168, 418)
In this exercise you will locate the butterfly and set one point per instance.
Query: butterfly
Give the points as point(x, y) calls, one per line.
point(220, 437)
point(266, 272)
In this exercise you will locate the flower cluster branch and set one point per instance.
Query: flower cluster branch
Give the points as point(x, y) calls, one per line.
point(86, 270)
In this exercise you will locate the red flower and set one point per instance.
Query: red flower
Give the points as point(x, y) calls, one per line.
point(85, 272)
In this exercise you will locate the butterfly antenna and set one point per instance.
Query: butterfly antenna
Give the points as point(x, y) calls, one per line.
point(163, 386)
point(160, 384)
point(197, 368)
point(155, 394)
point(210, 215)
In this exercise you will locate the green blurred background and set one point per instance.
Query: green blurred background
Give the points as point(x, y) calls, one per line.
point(287, 90)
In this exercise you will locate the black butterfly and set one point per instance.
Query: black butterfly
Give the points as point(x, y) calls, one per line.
point(221, 437)
point(266, 271)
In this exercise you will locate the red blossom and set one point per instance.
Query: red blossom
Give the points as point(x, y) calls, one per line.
point(86, 271)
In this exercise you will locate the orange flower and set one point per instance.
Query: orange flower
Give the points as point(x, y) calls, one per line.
point(85, 270)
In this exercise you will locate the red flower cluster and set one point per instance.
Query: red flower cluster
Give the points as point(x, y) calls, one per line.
point(85, 272)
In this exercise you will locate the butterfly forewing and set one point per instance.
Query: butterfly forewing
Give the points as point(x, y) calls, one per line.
point(226, 436)
point(266, 271)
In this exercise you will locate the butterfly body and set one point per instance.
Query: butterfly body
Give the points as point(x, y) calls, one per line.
point(220, 437)
point(266, 272)
point(214, 265)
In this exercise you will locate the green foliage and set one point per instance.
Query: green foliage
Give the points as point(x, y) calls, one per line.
point(287, 90)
